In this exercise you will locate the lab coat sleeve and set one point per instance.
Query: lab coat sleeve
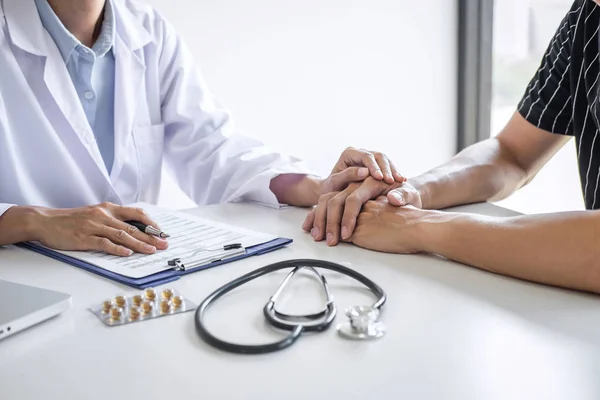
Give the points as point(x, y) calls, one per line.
point(210, 161)
point(3, 206)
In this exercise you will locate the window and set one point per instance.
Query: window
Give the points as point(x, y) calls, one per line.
point(522, 31)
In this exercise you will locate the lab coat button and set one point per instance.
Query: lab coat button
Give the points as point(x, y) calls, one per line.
point(88, 95)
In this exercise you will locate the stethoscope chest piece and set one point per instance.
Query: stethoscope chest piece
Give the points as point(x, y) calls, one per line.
point(363, 324)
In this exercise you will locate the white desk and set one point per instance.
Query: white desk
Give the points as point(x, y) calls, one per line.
point(454, 332)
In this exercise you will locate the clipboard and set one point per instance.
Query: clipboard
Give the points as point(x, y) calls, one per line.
point(196, 244)
point(162, 277)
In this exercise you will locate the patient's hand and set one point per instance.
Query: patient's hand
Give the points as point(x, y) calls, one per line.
point(334, 218)
point(387, 228)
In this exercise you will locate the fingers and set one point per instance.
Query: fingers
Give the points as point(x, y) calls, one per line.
point(397, 198)
point(99, 228)
point(343, 210)
point(352, 157)
point(320, 219)
point(309, 221)
point(354, 203)
point(335, 215)
point(395, 173)
point(122, 213)
point(384, 164)
point(103, 244)
point(369, 161)
point(405, 195)
point(335, 210)
point(131, 213)
point(137, 234)
point(123, 238)
point(379, 165)
point(340, 180)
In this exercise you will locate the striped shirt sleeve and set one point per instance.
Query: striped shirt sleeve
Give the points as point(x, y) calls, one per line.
point(547, 101)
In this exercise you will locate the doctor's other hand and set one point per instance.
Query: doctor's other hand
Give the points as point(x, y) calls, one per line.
point(387, 228)
point(98, 227)
point(378, 164)
point(353, 166)
point(335, 215)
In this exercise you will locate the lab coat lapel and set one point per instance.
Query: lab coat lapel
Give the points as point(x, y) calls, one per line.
point(129, 74)
point(130, 68)
point(61, 87)
point(27, 33)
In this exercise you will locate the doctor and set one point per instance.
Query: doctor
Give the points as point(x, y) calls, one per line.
point(94, 96)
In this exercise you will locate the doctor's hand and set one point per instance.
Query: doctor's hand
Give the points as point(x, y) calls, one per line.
point(335, 215)
point(378, 164)
point(353, 166)
point(98, 227)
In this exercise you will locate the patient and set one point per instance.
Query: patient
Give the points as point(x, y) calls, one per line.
point(561, 249)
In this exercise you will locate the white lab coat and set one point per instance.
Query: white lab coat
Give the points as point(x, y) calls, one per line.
point(163, 113)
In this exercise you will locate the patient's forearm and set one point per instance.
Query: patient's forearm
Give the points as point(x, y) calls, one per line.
point(560, 249)
point(479, 173)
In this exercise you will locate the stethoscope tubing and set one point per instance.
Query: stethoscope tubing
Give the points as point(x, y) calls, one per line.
point(295, 330)
point(316, 322)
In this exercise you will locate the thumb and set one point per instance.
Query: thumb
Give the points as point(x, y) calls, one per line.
point(397, 197)
point(340, 180)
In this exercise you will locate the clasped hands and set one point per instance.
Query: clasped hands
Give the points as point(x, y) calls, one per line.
point(378, 213)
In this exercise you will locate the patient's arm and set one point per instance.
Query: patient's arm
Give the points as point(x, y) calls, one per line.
point(487, 171)
point(561, 249)
point(490, 170)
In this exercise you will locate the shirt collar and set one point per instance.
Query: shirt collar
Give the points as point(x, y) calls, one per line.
point(25, 29)
point(66, 42)
point(129, 28)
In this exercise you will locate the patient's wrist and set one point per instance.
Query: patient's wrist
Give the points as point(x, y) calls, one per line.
point(438, 232)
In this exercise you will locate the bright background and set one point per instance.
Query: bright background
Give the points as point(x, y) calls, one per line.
point(312, 77)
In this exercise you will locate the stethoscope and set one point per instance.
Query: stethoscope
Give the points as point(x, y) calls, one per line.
point(363, 321)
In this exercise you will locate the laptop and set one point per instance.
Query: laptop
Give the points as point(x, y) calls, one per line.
point(23, 306)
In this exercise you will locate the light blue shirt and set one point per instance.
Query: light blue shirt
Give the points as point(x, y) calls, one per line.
point(92, 72)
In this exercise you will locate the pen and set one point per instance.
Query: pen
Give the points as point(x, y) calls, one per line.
point(149, 230)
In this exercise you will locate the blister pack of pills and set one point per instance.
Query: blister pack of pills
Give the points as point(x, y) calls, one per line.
point(148, 304)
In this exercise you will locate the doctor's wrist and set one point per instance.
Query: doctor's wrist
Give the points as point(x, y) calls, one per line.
point(297, 189)
point(19, 224)
point(309, 190)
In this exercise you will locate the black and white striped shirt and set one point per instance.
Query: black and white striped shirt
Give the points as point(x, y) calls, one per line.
point(563, 95)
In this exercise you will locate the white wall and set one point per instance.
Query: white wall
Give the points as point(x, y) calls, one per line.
point(311, 77)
